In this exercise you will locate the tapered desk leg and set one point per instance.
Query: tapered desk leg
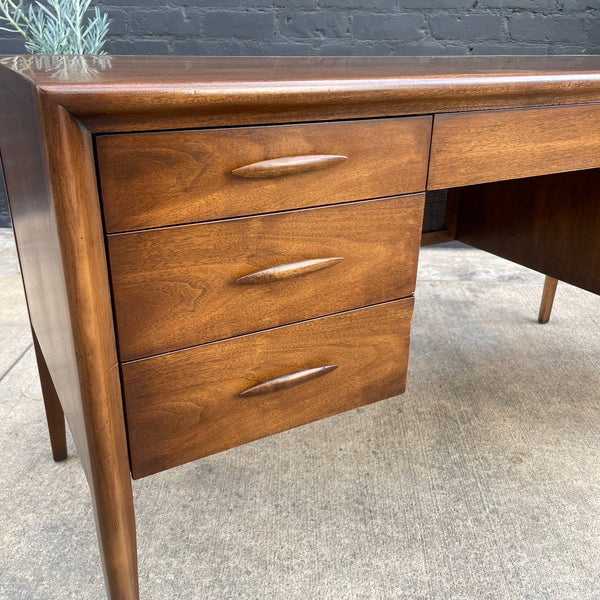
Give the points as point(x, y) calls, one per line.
point(115, 525)
point(547, 299)
point(112, 498)
point(109, 479)
point(54, 411)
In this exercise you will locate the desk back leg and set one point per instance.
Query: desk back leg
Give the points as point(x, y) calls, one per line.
point(54, 412)
point(547, 299)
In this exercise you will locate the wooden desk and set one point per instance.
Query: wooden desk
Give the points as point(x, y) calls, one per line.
point(218, 249)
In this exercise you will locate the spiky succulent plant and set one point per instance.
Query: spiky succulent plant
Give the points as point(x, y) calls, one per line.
point(56, 26)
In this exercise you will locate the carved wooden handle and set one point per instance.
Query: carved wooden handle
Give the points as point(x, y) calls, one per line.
point(287, 381)
point(289, 270)
point(288, 165)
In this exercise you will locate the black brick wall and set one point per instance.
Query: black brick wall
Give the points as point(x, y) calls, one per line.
point(328, 27)
point(337, 27)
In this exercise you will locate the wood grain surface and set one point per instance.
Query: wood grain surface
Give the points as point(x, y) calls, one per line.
point(157, 179)
point(550, 224)
point(51, 182)
point(471, 148)
point(185, 405)
point(140, 93)
point(178, 287)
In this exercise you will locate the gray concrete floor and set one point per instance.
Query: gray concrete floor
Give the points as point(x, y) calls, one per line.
point(482, 481)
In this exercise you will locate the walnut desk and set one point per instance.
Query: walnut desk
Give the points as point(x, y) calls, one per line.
point(218, 249)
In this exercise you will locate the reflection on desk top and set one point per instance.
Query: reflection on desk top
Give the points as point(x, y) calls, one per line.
point(186, 91)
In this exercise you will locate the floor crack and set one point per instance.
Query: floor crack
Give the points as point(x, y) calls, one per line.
point(16, 362)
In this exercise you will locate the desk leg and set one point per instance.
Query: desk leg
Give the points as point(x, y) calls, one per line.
point(547, 299)
point(115, 525)
point(54, 411)
point(111, 496)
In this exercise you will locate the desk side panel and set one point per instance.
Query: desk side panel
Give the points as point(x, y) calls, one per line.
point(50, 176)
point(36, 233)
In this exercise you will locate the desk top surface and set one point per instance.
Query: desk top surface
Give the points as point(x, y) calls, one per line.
point(60, 72)
point(98, 88)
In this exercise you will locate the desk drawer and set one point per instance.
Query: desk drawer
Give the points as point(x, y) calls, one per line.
point(186, 405)
point(479, 147)
point(182, 286)
point(157, 179)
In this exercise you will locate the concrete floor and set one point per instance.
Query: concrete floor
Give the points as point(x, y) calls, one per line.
point(481, 482)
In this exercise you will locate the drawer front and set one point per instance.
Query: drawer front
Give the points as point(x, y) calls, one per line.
point(189, 404)
point(479, 147)
point(183, 286)
point(157, 179)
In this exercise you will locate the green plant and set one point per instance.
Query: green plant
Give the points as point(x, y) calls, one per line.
point(56, 26)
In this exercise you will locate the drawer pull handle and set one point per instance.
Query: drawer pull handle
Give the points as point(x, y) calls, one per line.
point(296, 269)
point(288, 165)
point(287, 381)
